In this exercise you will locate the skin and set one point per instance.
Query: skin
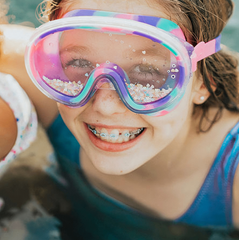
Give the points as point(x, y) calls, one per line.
point(167, 163)
point(8, 129)
point(15, 38)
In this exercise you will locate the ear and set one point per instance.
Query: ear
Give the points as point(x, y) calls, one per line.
point(201, 92)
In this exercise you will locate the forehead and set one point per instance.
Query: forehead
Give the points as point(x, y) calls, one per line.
point(140, 7)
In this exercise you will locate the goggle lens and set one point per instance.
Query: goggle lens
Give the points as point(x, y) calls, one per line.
point(67, 59)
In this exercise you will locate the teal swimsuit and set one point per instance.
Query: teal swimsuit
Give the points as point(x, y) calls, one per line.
point(213, 205)
point(60, 204)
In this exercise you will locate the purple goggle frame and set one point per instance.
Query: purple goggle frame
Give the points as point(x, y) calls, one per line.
point(159, 30)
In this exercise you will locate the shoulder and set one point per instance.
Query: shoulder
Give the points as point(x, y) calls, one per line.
point(234, 155)
point(13, 43)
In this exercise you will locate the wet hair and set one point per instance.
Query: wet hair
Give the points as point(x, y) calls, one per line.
point(201, 20)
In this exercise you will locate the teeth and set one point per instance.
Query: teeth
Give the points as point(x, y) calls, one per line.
point(104, 134)
point(125, 135)
point(120, 139)
point(114, 136)
point(132, 137)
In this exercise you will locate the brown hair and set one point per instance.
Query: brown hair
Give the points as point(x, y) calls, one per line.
point(201, 20)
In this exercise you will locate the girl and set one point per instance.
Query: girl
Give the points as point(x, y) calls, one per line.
point(153, 102)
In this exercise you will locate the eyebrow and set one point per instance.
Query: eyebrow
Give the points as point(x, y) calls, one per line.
point(149, 52)
point(75, 49)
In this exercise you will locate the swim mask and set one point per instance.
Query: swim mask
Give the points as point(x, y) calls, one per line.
point(145, 59)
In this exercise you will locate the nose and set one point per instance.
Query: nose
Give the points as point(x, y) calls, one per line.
point(107, 102)
point(105, 84)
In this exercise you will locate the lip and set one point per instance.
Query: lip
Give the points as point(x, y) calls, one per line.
point(112, 147)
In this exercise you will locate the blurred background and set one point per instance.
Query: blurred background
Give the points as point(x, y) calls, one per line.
point(23, 11)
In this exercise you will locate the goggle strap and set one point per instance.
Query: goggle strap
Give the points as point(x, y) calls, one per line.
point(203, 50)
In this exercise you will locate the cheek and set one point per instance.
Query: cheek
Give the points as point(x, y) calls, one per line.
point(69, 114)
point(168, 126)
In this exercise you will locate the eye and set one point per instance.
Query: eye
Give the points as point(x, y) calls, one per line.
point(77, 69)
point(79, 63)
point(146, 69)
point(147, 74)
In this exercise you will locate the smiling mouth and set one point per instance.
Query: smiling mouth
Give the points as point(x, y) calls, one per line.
point(115, 135)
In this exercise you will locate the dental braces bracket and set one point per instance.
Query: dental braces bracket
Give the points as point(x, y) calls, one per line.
point(114, 135)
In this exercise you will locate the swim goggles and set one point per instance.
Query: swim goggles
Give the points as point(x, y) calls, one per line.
point(145, 59)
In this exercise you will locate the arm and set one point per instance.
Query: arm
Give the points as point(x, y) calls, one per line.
point(12, 51)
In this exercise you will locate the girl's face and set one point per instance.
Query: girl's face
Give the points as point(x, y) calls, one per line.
point(126, 150)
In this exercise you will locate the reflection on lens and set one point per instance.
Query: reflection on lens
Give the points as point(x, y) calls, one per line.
point(67, 88)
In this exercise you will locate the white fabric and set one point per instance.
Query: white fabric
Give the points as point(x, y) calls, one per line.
point(24, 112)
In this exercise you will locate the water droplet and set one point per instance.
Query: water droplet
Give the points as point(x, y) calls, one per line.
point(108, 62)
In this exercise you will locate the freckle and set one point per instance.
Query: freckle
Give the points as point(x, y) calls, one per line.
point(121, 171)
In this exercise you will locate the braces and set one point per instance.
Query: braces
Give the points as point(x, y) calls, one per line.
point(114, 135)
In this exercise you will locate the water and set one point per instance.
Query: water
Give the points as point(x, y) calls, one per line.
point(24, 11)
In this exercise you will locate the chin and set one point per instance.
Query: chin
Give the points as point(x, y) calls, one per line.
point(115, 165)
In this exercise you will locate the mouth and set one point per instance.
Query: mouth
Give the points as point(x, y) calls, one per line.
point(115, 135)
point(114, 139)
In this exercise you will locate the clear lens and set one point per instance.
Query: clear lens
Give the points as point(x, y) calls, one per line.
point(66, 59)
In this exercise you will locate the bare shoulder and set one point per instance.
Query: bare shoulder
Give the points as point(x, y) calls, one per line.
point(14, 40)
point(220, 130)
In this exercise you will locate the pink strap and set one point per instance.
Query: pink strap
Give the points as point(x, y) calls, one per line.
point(203, 50)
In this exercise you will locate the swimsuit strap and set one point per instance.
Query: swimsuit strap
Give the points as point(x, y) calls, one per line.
point(213, 205)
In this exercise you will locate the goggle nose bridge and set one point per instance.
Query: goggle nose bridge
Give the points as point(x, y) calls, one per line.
point(104, 82)
point(108, 73)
